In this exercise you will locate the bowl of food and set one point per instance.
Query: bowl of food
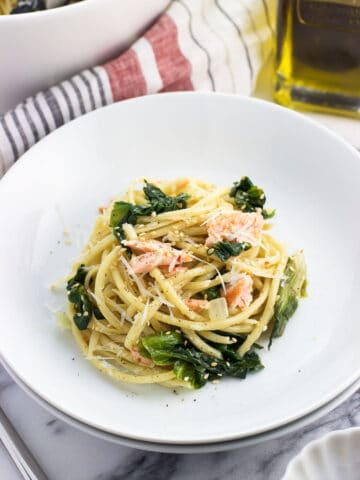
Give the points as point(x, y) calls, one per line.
point(157, 265)
point(40, 47)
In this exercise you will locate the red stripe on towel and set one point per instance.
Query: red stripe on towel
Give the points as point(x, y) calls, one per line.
point(173, 66)
point(179, 86)
point(125, 76)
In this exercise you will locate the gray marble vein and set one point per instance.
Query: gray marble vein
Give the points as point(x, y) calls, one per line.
point(66, 453)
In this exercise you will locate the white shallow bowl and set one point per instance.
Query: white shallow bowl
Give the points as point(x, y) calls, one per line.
point(42, 48)
point(311, 177)
point(193, 448)
point(336, 456)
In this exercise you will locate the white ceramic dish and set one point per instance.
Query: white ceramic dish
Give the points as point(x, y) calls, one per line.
point(334, 456)
point(195, 448)
point(310, 176)
point(40, 49)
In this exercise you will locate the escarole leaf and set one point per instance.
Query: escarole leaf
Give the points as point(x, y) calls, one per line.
point(124, 212)
point(292, 287)
point(159, 347)
point(159, 202)
point(79, 277)
point(193, 366)
point(189, 373)
point(77, 294)
point(83, 306)
point(211, 293)
point(250, 198)
point(225, 250)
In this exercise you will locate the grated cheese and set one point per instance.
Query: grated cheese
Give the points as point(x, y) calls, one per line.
point(212, 265)
point(143, 291)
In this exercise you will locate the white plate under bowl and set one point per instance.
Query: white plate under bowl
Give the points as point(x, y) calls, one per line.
point(310, 175)
point(334, 456)
point(193, 448)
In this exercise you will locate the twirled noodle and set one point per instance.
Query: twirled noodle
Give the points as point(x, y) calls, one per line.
point(134, 304)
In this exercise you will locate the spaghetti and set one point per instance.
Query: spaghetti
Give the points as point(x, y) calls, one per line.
point(178, 281)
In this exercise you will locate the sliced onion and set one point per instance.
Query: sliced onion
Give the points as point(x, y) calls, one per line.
point(218, 309)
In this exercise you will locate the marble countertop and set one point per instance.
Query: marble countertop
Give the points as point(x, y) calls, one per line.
point(66, 453)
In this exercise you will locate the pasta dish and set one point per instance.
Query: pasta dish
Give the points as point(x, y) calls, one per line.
point(179, 280)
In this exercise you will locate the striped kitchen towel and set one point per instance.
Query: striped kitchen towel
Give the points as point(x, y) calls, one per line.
point(213, 45)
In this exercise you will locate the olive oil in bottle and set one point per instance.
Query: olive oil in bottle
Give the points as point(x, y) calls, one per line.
point(318, 55)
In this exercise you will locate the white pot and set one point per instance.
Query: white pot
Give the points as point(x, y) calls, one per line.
point(42, 48)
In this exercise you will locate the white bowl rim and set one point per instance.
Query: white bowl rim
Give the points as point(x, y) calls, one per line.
point(197, 448)
point(266, 103)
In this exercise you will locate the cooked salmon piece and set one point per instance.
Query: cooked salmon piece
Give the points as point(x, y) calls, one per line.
point(183, 183)
point(156, 254)
point(143, 246)
point(235, 226)
point(239, 294)
point(178, 269)
point(197, 305)
point(102, 209)
point(140, 359)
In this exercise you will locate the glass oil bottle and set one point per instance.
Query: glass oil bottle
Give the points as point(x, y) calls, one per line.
point(318, 55)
